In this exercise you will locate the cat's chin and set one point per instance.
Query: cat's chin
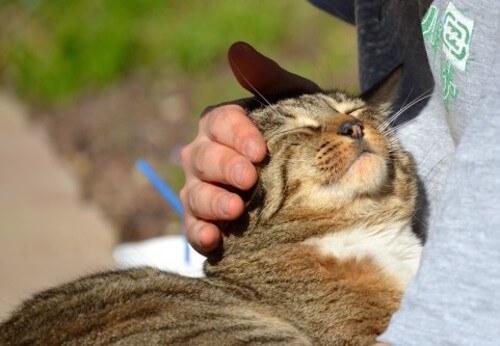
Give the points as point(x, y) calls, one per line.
point(367, 174)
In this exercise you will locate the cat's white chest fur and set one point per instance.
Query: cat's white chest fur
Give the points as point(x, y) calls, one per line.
point(395, 249)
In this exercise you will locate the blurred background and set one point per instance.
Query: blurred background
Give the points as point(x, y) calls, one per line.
point(89, 86)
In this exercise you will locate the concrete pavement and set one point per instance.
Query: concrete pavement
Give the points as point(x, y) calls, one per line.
point(48, 235)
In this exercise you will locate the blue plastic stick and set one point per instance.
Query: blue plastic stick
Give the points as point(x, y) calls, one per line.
point(170, 196)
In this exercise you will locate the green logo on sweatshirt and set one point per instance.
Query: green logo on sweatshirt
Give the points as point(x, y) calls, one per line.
point(450, 90)
point(457, 31)
point(451, 33)
point(431, 28)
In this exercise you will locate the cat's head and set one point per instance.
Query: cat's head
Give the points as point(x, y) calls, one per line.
point(331, 151)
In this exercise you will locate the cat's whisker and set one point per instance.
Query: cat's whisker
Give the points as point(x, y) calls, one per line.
point(408, 96)
point(390, 120)
point(272, 107)
point(424, 95)
point(259, 101)
point(248, 82)
point(395, 115)
point(395, 129)
point(433, 171)
point(269, 104)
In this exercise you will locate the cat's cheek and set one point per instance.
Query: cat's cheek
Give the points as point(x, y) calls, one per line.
point(367, 174)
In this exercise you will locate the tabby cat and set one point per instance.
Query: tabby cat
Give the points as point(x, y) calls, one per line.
point(322, 255)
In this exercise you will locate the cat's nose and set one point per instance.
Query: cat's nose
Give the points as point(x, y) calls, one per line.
point(352, 128)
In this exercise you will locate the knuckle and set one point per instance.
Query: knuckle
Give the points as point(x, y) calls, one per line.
point(233, 108)
point(211, 109)
point(183, 195)
point(205, 111)
point(214, 206)
point(189, 226)
point(202, 123)
point(186, 156)
point(199, 160)
point(192, 198)
point(214, 120)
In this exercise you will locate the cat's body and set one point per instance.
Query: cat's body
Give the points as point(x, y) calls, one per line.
point(322, 254)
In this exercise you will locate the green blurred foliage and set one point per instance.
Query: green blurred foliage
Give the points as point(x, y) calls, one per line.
point(51, 50)
point(119, 79)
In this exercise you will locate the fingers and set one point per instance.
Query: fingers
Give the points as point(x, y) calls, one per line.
point(230, 126)
point(214, 162)
point(203, 201)
point(261, 75)
point(203, 236)
point(222, 153)
point(209, 202)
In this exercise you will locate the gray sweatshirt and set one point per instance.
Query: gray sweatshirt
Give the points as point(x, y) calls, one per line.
point(450, 52)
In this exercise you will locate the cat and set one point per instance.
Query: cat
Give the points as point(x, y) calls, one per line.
point(321, 255)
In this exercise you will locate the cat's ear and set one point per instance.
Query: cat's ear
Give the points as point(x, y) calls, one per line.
point(383, 95)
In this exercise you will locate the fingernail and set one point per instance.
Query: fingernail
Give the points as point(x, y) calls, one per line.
point(239, 174)
point(251, 149)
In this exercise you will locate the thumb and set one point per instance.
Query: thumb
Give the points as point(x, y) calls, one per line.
point(263, 76)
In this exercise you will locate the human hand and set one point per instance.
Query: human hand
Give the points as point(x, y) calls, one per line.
point(227, 146)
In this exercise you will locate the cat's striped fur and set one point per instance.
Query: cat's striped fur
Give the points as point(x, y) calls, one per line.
point(321, 256)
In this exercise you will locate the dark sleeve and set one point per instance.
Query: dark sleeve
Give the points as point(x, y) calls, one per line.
point(343, 9)
point(389, 35)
